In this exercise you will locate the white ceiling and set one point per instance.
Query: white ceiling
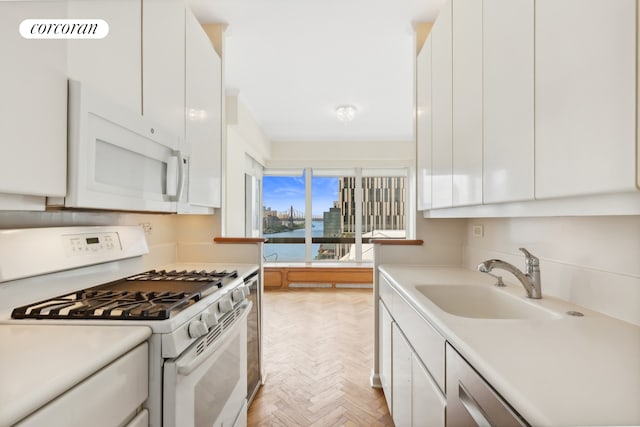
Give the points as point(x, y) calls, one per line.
point(294, 61)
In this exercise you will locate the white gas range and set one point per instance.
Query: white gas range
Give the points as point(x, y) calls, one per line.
point(94, 276)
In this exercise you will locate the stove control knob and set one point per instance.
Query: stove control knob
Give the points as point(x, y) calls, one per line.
point(209, 319)
point(197, 328)
point(237, 295)
point(225, 306)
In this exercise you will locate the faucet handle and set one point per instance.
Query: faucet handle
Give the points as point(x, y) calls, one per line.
point(529, 259)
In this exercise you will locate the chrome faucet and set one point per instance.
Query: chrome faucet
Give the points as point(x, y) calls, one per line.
point(530, 279)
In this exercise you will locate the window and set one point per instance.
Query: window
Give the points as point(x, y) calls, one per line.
point(283, 216)
point(330, 215)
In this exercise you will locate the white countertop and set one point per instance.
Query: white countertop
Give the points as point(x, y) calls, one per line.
point(563, 371)
point(40, 362)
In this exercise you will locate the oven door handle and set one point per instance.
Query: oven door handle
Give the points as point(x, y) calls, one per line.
point(185, 369)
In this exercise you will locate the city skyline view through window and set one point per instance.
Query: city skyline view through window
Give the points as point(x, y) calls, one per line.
point(344, 209)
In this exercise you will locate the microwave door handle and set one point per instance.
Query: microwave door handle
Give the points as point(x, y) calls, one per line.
point(182, 175)
point(175, 176)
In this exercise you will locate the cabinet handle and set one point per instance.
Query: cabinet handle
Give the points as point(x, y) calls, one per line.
point(472, 407)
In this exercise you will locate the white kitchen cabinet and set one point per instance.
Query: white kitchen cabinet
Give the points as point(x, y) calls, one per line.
point(401, 378)
point(33, 109)
point(163, 47)
point(441, 110)
point(585, 97)
point(508, 103)
point(467, 101)
point(384, 356)
point(427, 402)
point(108, 397)
point(411, 362)
point(423, 126)
point(111, 66)
point(203, 132)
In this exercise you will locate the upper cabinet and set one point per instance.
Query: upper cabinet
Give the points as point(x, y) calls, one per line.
point(585, 89)
point(532, 100)
point(111, 66)
point(467, 102)
point(441, 111)
point(203, 134)
point(507, 51)
point(33, 109)
point(163, 78)
point(423, 126)
point(157, 81)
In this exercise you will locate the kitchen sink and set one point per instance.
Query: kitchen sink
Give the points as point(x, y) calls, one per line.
point(483, 302)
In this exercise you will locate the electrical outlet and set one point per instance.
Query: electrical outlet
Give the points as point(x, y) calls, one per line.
point(478, 230)
point(146, 226)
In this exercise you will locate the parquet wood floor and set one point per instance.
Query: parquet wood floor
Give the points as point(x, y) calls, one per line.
point(318, 357)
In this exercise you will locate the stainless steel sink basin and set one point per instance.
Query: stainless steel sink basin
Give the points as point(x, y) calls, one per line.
point(483, 302)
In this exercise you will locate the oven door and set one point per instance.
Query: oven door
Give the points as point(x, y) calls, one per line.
point(207, 384)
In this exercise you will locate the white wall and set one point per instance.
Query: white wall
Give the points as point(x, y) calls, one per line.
point(444, 240)
point(244, 137)
point(591, 261)
point(339, 154)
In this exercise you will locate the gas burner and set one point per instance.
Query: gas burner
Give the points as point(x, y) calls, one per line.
point(184, 275)
point(109, 304)
point(152, 295)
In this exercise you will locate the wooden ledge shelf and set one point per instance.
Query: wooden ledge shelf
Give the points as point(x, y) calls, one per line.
point(276, 277)
point(397, 242)
point(241, 240)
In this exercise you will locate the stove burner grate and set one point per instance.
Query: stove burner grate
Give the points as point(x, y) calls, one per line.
point(108, 304)
point(152, 295)
point(184, 275)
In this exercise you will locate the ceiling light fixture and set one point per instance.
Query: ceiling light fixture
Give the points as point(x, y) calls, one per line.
point(346, 113)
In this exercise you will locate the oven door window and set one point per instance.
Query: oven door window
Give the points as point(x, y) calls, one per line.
point(208, 389)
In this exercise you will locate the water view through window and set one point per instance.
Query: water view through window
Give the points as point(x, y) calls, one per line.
point(336, 203)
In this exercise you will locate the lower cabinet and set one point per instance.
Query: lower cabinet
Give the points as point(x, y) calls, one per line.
point(385, 354)
point(427, 402)
point(417, 400)
point(413, 395)
point(112, 396)
point(401, 378)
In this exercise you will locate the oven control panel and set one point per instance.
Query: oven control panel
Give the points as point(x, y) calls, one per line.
point(94, 243)
point(64, 248)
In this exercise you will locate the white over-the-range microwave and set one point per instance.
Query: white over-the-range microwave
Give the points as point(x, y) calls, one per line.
point(119, 160)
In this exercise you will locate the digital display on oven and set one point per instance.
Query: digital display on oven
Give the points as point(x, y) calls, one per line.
point(92, 240)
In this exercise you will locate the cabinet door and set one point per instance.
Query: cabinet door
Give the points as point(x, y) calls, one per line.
point(428, 403)
point(384, 355)
point(467, 102)
point(401, 378)
point(508, 100)
point(112, 65)
point(163, 63)
point(33, 105)
point(203, 116)
point(441, 114)
point(585, 89)
point(423, 125)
